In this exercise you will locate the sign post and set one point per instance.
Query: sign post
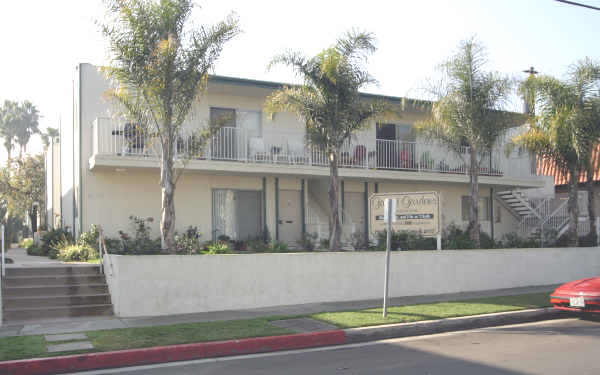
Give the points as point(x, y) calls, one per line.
point(413, 212)
point(390, 216)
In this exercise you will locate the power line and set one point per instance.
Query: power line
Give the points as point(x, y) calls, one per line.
point(578, 4)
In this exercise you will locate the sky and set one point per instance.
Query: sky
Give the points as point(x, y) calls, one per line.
point(43, 41)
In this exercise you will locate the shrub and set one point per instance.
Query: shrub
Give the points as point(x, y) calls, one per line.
point(141, 243)
point(454, 238)
point(258, 245)
point(308, 241)
point(359, 241)
point(324, 243)
point(279, 247)
point(34, 250)
point(404, 240)
point(52, 239)
point(189, 242)
point(90, 238)
point(219, 247)
point(77, 253)
point(514, 241)
point(26, 242)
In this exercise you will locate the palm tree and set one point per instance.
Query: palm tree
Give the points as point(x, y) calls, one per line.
point(161, 63)
point(330, 104)
point(9, 121)
point(468, 110)
point(51, 133)
point(564, 125)
point(27, 126)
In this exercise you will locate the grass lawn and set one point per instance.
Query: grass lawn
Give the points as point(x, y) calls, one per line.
point(431, 311)
point(129, 338)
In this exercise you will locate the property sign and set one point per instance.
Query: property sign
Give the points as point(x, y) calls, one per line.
point(416, 212)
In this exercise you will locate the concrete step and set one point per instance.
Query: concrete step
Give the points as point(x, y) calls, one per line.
point(54, 290)
point(52, 312)
point(52, 271)
point(53, 280)
point(54, 301)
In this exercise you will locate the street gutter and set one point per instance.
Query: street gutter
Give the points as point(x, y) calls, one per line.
point(172, 353)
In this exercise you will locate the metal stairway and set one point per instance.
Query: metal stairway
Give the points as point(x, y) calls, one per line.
point(539, 215)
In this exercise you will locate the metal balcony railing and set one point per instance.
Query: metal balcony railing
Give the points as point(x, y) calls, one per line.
point(235, 144)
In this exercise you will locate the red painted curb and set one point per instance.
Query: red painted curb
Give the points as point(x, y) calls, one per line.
point(160, 354)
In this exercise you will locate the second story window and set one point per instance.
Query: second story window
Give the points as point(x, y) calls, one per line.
point(395, 132)
point(248, 121)
point(223, 117)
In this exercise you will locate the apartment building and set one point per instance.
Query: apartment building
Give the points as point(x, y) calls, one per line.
point(258, 173)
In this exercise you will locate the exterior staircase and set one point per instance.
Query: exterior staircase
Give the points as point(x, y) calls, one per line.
point(542, 214)
point(39, 293)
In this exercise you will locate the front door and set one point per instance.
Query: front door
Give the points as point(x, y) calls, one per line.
point(290, 216)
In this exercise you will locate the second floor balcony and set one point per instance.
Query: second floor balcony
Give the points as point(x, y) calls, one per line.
point(236, 145)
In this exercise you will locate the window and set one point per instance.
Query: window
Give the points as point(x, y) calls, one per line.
point(484, 208)
point(392, 132)
point(222, 117)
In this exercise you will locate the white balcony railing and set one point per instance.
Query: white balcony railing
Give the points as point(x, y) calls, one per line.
point(235, 144)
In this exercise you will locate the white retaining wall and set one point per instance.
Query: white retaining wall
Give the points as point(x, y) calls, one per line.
point(174, 284)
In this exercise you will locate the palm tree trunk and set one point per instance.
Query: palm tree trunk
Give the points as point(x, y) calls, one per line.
point(167, 220)
point(573, 207)
point(335, 228)
point(474, 187)
point(593, 236)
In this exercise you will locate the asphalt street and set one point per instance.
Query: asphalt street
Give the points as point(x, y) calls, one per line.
point(565, 346)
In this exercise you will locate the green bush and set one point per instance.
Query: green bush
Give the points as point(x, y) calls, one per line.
point(404, 240)
point(280, 247)
point(26, 242)
point(308, 241)
point(139, 244)
point(219, 247)
point(514, 241)
point(90, 238)
point(188, 243)
point(77, 253)
point(34, 250)
point(52, 239)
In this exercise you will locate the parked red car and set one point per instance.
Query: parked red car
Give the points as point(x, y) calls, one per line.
point(580, 295)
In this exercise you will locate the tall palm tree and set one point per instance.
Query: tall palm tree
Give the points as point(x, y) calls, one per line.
point(564, 125)
point(160, 64)
point(468, 110)
point(28, 125)
point(50, 133)
point(330, 104)
point(9, 122)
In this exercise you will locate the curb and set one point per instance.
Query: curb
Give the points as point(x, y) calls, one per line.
point(184, 352)
point(161, 354)
point(355, 335)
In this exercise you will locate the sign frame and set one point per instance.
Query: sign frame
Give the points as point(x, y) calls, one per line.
point(396, 223)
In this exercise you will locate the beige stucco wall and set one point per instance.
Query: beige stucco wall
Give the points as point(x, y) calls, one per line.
point(189, 284)
point(113, 196)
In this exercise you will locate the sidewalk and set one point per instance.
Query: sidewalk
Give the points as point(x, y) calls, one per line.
point(68, 325)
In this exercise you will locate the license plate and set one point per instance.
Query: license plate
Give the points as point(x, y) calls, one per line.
point(576, 302)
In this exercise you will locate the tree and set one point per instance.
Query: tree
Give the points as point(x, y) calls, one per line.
point(468, 110)
point(160, 64)
point(23, 185)
point(51, 133)
point(28, 123)
point(330, 104)
point(564, 126)
point(9, 122)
